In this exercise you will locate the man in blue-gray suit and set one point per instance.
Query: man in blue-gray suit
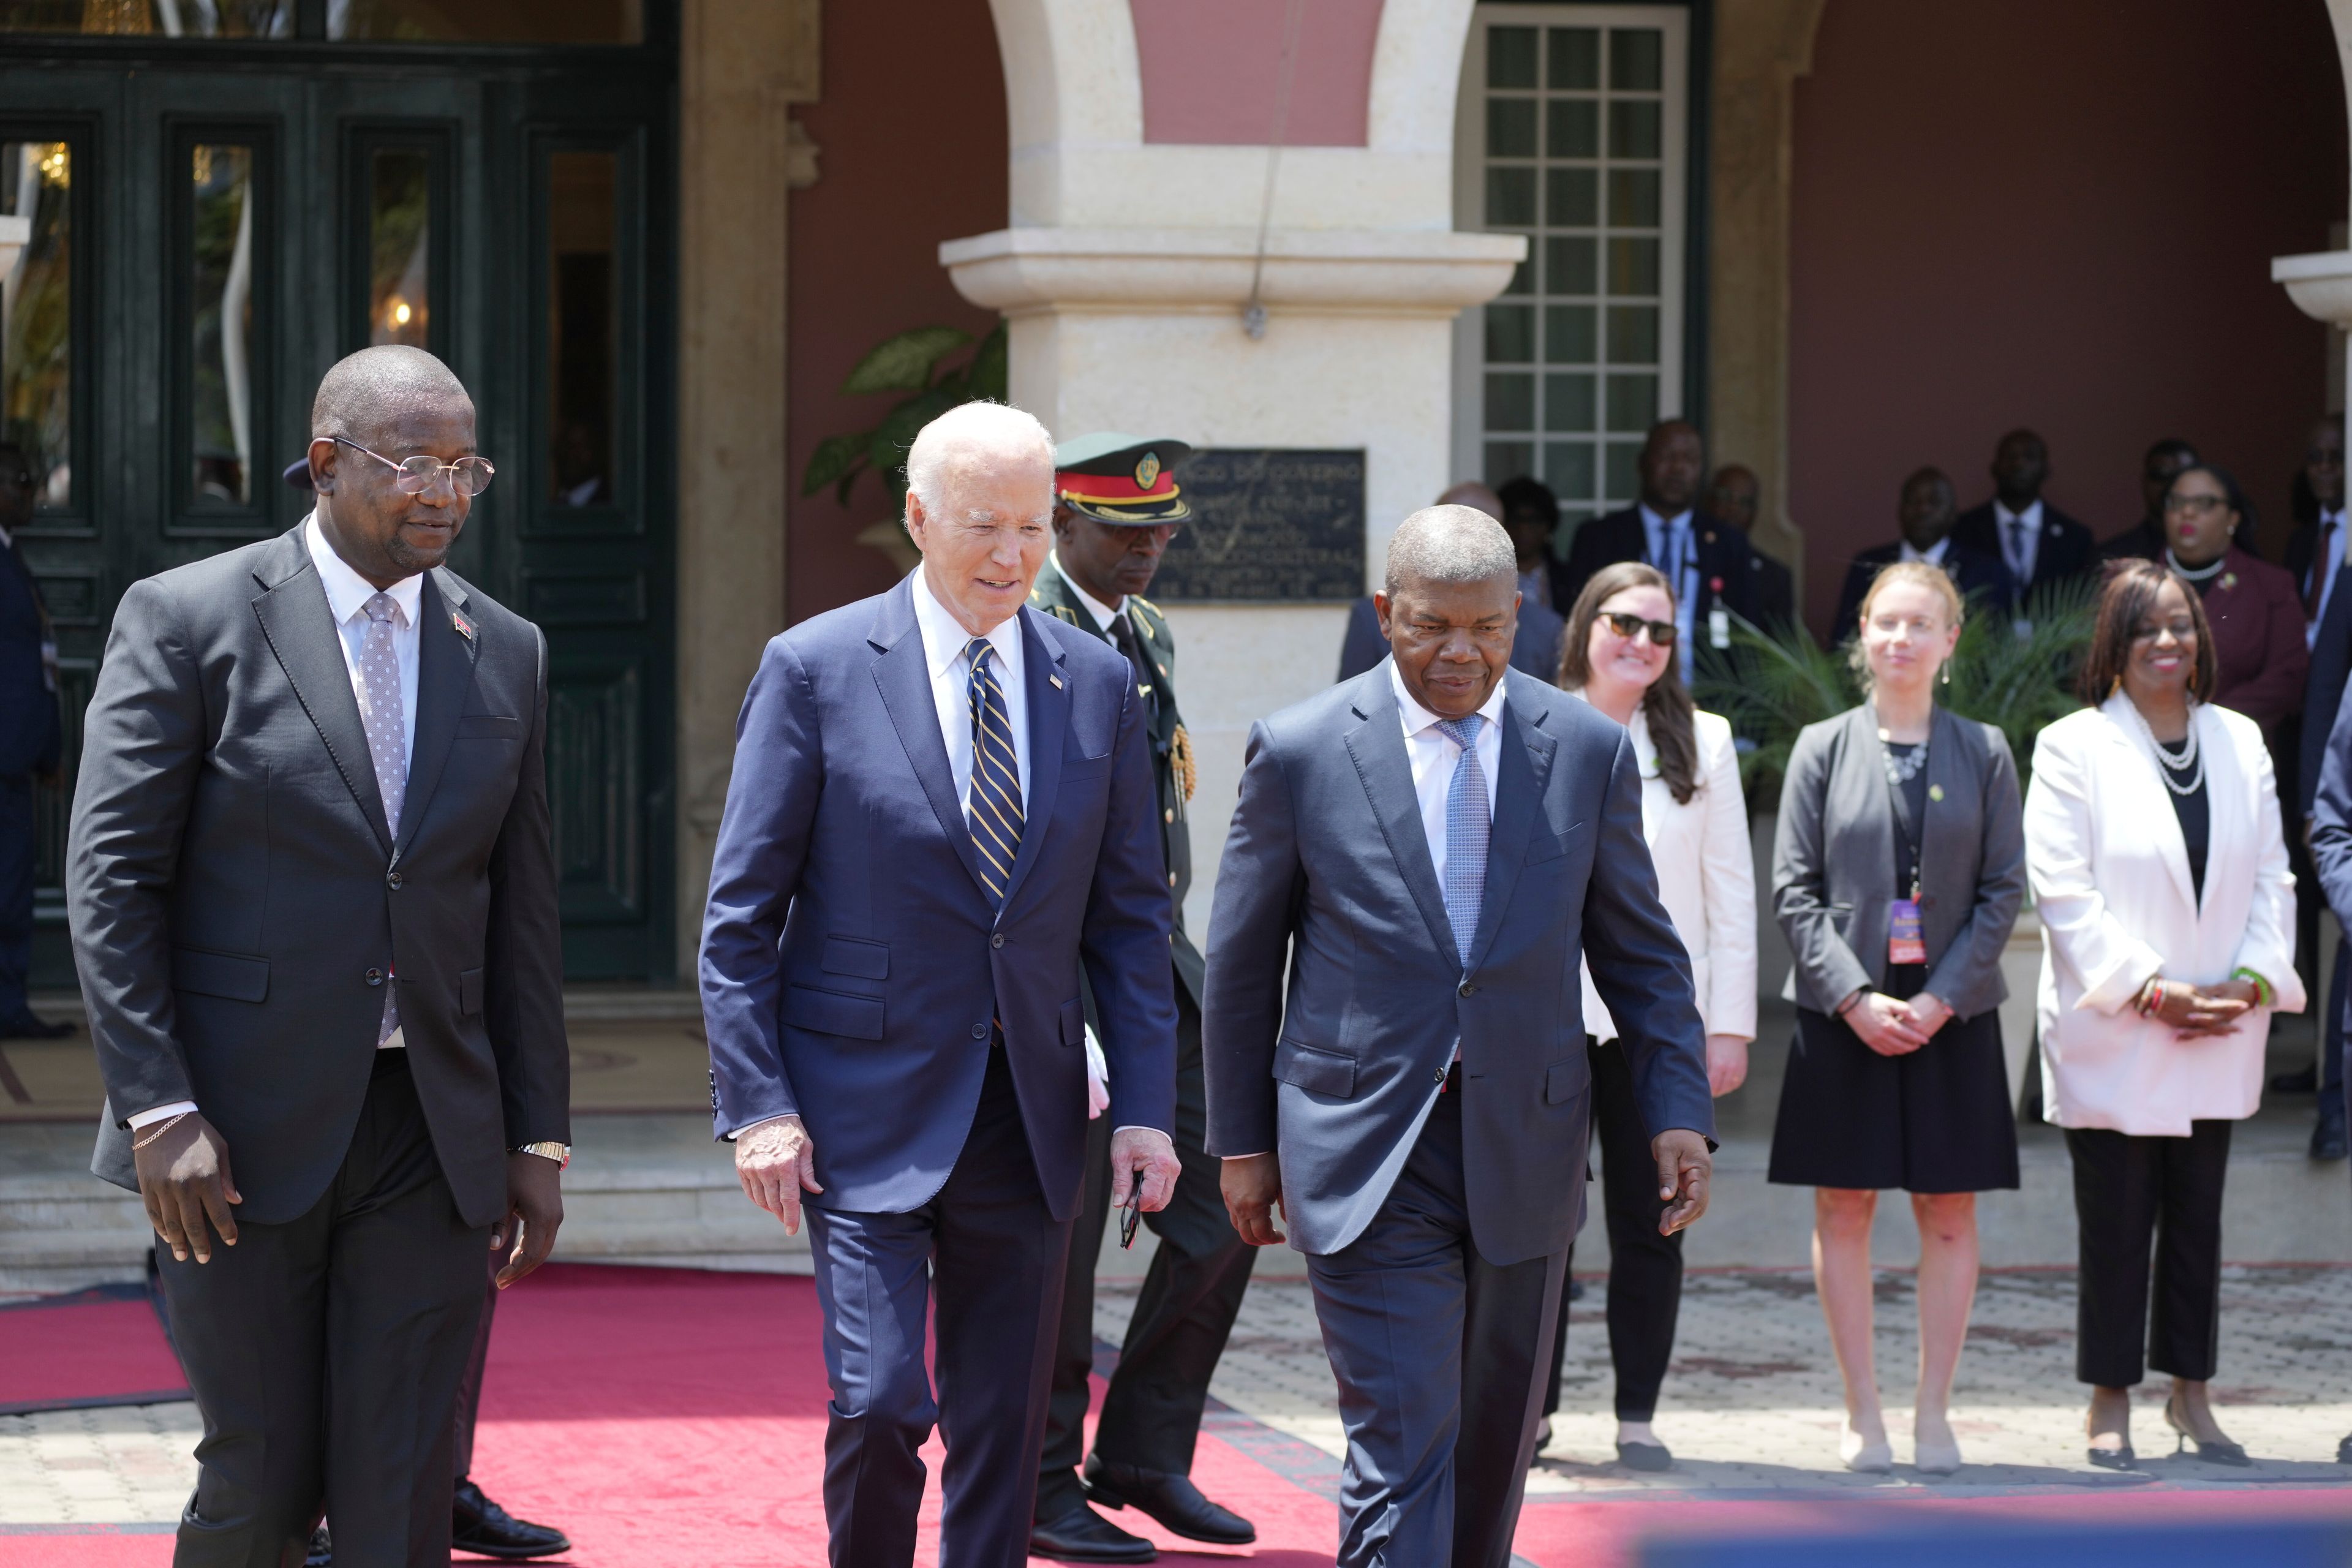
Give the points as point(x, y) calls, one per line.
point(1421, 853)
point(941, 809)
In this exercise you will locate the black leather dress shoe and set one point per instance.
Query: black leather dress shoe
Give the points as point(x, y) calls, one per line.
point(322, 1553)
point(2327, 1139)
point(481, 1527)
point(25, 1027)
point(1082, 1535)
point(1173, 1501)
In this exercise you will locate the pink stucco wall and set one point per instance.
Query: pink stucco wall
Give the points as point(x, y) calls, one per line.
point(2061, 214)
point(1211, 70)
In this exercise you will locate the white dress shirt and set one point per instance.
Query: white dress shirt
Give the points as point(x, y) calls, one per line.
point(1671, 549)
point(1932, 556)
point(1432, 756)
point(943, 645)
point(347, 596)
point(2020, 552)
point(2326, 564)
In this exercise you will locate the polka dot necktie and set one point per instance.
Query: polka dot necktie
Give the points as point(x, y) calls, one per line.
point(993, 808)
point(384, 718)
point(1468, 821)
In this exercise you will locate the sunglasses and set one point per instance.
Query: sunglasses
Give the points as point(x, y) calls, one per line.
point(467, 476)
point(1630, 626)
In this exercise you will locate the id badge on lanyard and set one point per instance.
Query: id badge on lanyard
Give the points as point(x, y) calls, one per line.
point(1907, 940)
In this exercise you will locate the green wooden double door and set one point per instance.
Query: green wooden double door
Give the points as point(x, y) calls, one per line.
point(207, 235)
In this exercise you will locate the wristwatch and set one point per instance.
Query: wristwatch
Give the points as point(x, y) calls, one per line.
point(559, 1152)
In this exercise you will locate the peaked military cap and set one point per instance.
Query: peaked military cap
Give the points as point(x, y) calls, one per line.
point(1124, 481)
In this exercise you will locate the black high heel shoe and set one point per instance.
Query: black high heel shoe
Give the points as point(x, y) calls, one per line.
point(2121, 1458)
point(2218, 1451)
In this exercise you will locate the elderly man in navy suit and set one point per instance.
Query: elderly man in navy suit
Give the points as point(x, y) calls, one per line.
point(1395, 1047)
point(941, 810)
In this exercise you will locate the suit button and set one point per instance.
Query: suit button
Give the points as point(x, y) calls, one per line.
point(375, 976)
point(391, 879)
point(996, 939)
point(1437, 1075)
point(980, 1031)
point(1468, 989)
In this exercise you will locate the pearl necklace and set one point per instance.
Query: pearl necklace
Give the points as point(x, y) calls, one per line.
point(2196, 574)
point(2191, 765)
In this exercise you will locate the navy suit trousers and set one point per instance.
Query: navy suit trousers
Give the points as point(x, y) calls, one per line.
point(16, 824)
point(988, 1245)
point(1440, 1357)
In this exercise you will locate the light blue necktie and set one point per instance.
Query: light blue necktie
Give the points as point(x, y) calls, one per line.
point(994, 811)
point(1468, 821)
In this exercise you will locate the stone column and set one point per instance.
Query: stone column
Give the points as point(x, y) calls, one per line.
point(1761, 48)
point(741, 66)
point(1125, 273)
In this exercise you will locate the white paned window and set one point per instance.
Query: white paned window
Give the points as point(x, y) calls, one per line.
point(1572, 131)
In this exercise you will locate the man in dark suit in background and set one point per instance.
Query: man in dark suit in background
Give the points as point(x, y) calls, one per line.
point(1710, 564)
point(313, 904)
point(2316, 555)
point(30, 738)
point(1733, 495)
point(1535, 649)
point(1395, 1049)
point(2144, 541)
point(1924, 514)
point(2037, 544)
point(1116, 506)
point(941, 810)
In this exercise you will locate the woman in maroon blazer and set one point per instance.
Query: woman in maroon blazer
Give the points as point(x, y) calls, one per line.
point(2256, 614)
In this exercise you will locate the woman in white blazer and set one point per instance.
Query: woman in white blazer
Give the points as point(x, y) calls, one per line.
point(1618, 653)
point(2168, 916)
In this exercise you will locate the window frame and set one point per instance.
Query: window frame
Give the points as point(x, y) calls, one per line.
point(258, 517)
point(1680, 278)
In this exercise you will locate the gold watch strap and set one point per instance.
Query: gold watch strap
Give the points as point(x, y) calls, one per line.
point(559, 1152)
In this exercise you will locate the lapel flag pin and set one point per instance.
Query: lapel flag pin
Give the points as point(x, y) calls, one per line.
point(464, 627)
point(1057, 682)
point(1936, 792)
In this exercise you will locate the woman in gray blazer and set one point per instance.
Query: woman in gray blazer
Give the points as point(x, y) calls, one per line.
point(1897, 873)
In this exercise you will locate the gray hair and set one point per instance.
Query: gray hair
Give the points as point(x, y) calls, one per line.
point(981, 433)
point(1449, 545)
point(361, 390)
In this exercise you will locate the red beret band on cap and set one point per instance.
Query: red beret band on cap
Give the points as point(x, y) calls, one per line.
point(1113, 487)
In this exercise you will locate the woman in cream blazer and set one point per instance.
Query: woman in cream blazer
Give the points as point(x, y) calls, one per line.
point(1617, 654)
point(2159, 866)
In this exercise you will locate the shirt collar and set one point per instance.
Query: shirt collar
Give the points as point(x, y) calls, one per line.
point(347, 592)
point(2030, 516)
point(1417, 718)
point(1653, 521)
point(1103, 613)
point(944, 636)
point(1934, 555)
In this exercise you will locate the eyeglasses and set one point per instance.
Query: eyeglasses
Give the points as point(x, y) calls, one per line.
point(1630, 626)
point(2183, 630)
point(2199, 505)
point(466, 476)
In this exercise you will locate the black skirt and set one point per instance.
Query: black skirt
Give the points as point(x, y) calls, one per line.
point(1936, 1120)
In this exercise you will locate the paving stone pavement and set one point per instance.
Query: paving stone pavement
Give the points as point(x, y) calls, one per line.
point(1751, 1407)
point(1752, 1404)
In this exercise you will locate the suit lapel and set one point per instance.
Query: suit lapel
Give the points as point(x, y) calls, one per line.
point(905, 685)
point(1521, 775)
point(2156, 807)
point(1377, 747)
point(445, 673)
point(1046, 679)
point(301, 632)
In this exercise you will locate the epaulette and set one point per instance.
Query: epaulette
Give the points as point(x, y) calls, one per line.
point(1154, 611)
point(1061, 613)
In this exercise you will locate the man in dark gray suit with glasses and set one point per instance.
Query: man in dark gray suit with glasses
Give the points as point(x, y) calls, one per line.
point(1395, 1042)
point(313, 906)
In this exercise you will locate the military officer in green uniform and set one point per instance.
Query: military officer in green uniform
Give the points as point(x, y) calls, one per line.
point(1116, 505)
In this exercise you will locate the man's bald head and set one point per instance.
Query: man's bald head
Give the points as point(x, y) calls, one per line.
point(363, 394)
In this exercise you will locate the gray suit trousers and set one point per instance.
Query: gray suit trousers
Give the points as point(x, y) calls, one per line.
point(1440, 1357)
point(325, 1354)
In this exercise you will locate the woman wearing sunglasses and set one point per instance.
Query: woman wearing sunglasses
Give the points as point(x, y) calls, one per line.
point(1896, 874)
point(1618, 655)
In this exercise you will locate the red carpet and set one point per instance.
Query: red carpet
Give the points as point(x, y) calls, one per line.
point(95, 1347)
point(676, 1419)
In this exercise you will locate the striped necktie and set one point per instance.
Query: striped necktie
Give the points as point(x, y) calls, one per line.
point(993, 807)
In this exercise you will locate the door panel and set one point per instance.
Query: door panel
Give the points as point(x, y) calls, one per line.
point(216, 238)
